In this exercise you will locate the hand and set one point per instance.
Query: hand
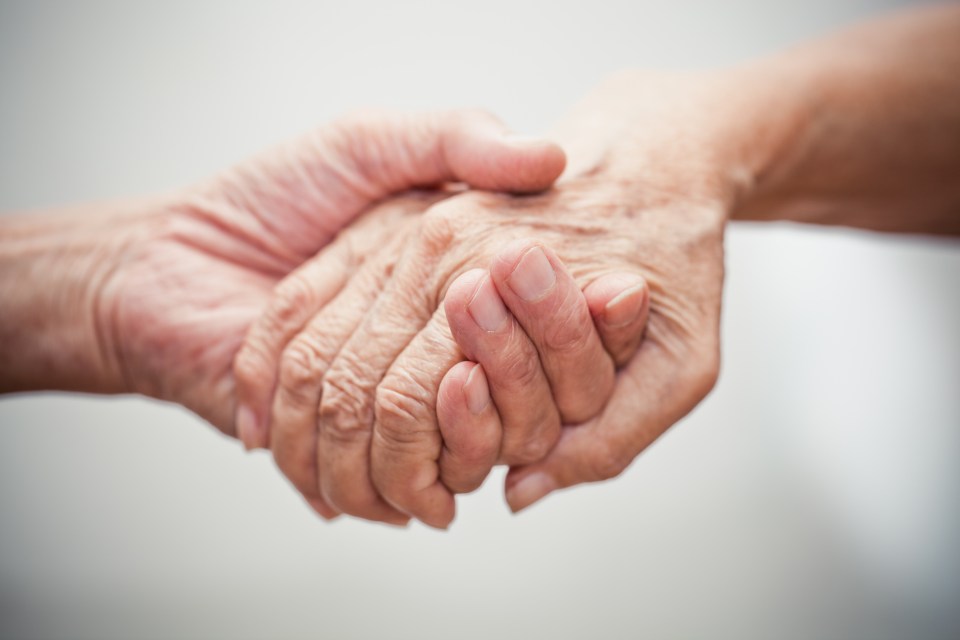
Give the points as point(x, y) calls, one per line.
point(193, 274)
point(525, 324)
point(653, 158)
point(648, 197)
point(548, 349)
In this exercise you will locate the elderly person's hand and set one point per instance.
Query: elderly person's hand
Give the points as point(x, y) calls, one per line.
point(858, 129)
point(646, 200)
point(156, 296)
point(861, 129)
point(543, 361)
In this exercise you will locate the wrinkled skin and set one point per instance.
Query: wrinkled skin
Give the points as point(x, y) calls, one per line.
point(530, 364)
point(192, 276)
point(643, 198)
point(853, 130)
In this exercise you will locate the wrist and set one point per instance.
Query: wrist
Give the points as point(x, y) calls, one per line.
point(54, 270)
point(669, 137)
point(765, 113)
point(729, 138)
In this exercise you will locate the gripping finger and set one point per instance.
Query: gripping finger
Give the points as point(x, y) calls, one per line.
point(551, 308)
point(619, 304)
point(490, 336)
point(470, 427)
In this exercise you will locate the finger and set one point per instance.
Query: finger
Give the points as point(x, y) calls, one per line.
point(656, 389)
point(347, 405)
point(406, 445)
point(305, 360)
point(294, 301)
point(324, 510)
point(470, 428)
point(407, 452)
point(619, 304)
point(398, 151)
point(297, 299)
point(550, 307)
point(490, 336)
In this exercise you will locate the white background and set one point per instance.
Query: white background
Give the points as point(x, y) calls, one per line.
point(813, 495)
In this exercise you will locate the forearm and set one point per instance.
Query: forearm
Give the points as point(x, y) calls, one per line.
point(53, 267)
point(860, 129)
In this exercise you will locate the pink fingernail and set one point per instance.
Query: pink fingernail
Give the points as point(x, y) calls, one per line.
point(476, 391)
point(625, 307)
point(528, 490)
point(247, 426)
point(486, 308)
point(533, 276)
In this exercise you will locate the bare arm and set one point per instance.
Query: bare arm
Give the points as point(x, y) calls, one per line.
point(52, 268)
point(859, 129)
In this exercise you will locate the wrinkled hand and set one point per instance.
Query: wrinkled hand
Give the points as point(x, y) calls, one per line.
point(646, 199)
point(542, 361)
point(192, 276)
point(655, 171)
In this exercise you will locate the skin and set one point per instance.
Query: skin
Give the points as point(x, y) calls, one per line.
point(859, 129)
point(527, 364)
point(155, 296)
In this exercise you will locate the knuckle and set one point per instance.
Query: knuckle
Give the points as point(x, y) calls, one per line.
point(293, 298)
point(532, 450)
point(522, 368)
point(533, 445)
point(439, 227)
point(300, 365)
point(568, 333)
point(251, 364)
point(344, 407)
point(605, 460)
point(402, 409)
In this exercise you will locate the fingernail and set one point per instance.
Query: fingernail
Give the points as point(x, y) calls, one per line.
point(246, 426)
point(528, 490)
point(625, 307)
point(533, 276)
point(476, 391)
point(486, 308)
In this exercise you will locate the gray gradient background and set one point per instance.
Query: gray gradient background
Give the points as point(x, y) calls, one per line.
point(813, 495)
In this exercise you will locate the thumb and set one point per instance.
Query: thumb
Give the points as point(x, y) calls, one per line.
point(402, 151)
point(656, 389)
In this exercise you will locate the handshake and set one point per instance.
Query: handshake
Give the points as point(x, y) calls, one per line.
point(393, 304)
point(441, 332)
point(396, 303)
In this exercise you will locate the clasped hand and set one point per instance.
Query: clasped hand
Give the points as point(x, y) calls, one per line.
point(401, 302)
